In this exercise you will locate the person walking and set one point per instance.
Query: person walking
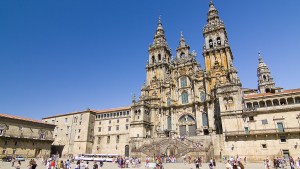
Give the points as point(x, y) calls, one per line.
point(18, 165)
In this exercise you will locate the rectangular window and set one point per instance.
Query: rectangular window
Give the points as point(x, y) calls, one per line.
point(127, 120)
point(127, 112)
point(118, 139)
point(264, 145)
point(265, 121)
point(66, 120)
point(99, 122)
point(282, 139)
point(109, 128)
point(251, 118)
point(108, 139)
point(118, 121)
point(79, 130)
point(78, 137)
point(126, 126)
point(99, 140)
point(109, 121)
point(99, 129)
point(246, 130)
point(117, 127)
point(280, 127)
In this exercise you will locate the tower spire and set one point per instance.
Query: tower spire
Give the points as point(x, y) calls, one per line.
point(265, 81)
point(159, 37)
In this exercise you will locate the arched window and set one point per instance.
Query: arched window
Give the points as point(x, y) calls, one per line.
point(153, 59)
point(183, 82)
point(211, 45)
point(169, 123)
point(169, 101)
point(184, 97)
point(182, 55)
point(268, 90)
point(264, 76)
point(159, 57)
point(202, 96)
point(204, 119)
point(218, 40)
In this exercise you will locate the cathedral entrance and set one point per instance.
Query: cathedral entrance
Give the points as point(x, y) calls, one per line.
point(187, 126)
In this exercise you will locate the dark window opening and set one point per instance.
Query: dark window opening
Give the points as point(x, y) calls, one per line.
point(218, 40)
point(264, 145)
point(251, 118)
point(206, 132)
point(211, 45)
point(159, 57)
point(282, 139)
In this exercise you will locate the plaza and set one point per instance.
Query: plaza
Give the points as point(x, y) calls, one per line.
point(185, 108)
point(7, 165)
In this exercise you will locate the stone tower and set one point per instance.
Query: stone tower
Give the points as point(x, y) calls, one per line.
point(222, 82)
point(159, 56)
point(266, 83)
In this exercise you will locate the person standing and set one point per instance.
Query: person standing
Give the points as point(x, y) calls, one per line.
point(95, 166)
point(292, 163)
point(197, 163)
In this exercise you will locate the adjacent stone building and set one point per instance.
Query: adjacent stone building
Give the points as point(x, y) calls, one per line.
point(187, 109)
point(26, 137)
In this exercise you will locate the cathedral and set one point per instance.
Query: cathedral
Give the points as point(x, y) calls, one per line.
point(188, 109)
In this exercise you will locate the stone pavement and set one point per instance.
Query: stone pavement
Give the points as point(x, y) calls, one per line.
point(7, 165)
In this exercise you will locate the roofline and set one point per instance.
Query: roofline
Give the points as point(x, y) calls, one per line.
point(92, 111)
point(262, 95)
point(24, 119)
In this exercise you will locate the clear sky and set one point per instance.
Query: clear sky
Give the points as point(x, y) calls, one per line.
point(59, 56)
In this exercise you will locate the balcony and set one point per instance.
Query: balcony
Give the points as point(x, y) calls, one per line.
point(262, 132)
point(26, 137)
point(272, 109)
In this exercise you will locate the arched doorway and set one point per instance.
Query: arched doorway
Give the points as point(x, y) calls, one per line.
point(171, 150)
point(187, 126)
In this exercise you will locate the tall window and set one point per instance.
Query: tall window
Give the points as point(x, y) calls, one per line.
point(169, 101)
point(204, 119)
point(118, 139)
point(109, 128)
point(202, 96)
point(280, 127)
point(1, 131)
point(117, 127)
point(108, 139)
point(183, 81)
point(211, 45)
point(66, 120)
point(169, 122)
point(218, 40)
point(184, 97)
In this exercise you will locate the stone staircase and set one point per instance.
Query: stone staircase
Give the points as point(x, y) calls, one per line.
point(183, 146)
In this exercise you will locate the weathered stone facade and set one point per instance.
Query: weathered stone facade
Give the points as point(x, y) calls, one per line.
point(20, 136)
point(186, 109)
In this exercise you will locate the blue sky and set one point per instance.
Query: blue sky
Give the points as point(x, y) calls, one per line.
point(59, 56)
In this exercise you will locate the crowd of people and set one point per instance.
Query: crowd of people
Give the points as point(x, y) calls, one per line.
point(280, 163)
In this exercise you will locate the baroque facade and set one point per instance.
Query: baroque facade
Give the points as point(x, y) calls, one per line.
point(185, 108)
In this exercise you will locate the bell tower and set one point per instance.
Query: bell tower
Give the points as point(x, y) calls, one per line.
point(266, 83)
point(221, 80)
point(216, 51)
point(159, 56)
